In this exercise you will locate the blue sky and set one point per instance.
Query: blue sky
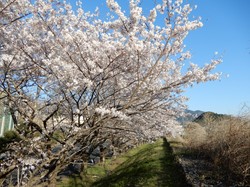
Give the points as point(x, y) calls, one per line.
point(226, 30)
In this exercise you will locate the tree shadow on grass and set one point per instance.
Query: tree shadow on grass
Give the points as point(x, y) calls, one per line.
point(132, 172)
point(173, 173)
point(154, 165)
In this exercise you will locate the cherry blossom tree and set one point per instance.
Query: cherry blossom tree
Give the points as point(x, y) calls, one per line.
point(74, 80)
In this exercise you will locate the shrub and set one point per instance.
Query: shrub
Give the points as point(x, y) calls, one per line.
point(229, 146)
point(195, 135)
point(9, 136)
point(226, 143)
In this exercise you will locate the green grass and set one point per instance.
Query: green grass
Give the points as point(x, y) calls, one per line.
point(147, 165)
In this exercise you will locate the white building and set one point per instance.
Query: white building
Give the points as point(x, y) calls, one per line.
point(6, 121)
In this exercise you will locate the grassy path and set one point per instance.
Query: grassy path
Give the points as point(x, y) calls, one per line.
point(148, 165)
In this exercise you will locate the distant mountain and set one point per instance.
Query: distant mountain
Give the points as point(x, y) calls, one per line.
point(194, 112)
point(190, 115)
point(209, 117)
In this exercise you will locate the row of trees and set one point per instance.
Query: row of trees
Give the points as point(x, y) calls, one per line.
point(76, 81)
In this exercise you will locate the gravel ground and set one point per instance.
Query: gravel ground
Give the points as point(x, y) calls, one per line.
point(202, 173)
